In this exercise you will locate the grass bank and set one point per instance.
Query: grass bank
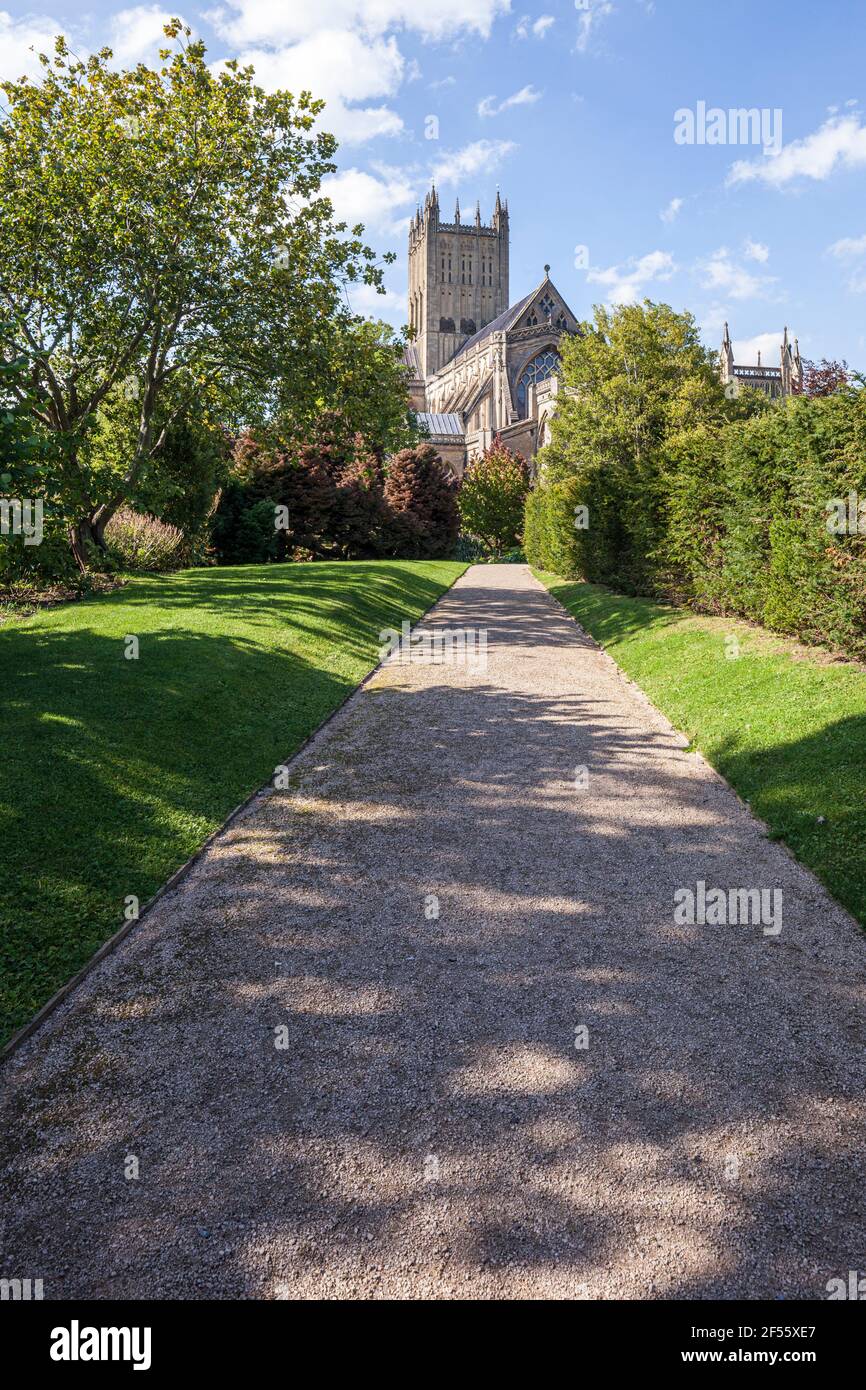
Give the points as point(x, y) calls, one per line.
point(785, 726)
point(114, 770)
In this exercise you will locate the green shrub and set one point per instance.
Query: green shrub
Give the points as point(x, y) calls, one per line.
point(735, 523)
point(491, 498)
point(142, 543)
point(551, 538)
point(421, 499)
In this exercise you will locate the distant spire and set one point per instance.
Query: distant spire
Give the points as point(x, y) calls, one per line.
point(457, 211)
point(478, 212)
point(727, 338)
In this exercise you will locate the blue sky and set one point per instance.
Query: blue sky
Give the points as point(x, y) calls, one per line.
point(571, 110)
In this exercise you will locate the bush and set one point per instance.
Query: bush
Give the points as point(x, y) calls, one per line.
point(492, 496)
point(551, 540)
point(341, 503)
point(421, 497)
point(736, 522)
point(747, 524)
point(139, 542)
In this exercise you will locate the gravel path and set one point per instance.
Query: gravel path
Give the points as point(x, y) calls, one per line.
point(329, 1090)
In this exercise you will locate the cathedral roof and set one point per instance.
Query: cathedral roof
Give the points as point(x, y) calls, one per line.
point(440, 425)
point(508, 318)
point(412, 361)
point(505, 320)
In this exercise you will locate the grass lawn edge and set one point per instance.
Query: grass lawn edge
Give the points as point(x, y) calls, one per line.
point(27, 1029)
point(798, 809)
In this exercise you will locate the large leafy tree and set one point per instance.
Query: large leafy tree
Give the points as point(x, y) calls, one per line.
point(634, 380)
point(360, 377)
point(163, 227)
point(492, 496)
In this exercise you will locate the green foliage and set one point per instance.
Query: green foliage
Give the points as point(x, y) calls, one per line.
point(551, 539)
point(142, 543)
point(360, 377)
point(162, 232)
point(491, 498)
point(631, 382)
point(748, 519)
point(719, 504)
point(421, 497)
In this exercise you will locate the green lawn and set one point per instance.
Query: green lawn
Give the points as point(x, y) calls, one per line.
point(787, 731)
point(114, 771)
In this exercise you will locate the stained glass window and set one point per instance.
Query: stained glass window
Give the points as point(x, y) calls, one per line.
point(539, 369)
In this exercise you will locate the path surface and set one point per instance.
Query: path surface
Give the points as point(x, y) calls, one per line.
point(430, 1129)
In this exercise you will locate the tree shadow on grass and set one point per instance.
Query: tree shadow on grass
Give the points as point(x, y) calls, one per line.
point(590, 604)
point(429, 1125)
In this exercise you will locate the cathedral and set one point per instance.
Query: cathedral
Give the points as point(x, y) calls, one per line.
point(776, 382)
point(478, 365)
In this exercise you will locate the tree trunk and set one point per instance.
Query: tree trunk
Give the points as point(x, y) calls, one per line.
point(88, 531)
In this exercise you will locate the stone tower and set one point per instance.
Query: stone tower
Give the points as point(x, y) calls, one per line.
point(458, 279)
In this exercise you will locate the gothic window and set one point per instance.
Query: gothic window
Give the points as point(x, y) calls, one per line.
point(446, 325)
point(546, 305)
point(562, 321)
point(467, 326)
point(539, 369)
point(532, 321)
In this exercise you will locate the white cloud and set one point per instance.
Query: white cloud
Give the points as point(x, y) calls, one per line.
point(848, 248)
point(767, 344)
point(840, 143)
point(852, 249)
point(382, 201)
point(254, 22)
point(525, 97)
point(721, 272)
point(448, 81)
point(526, 26)
point(626, 284)
point(590, 20)
point(672, 210)
point(756, 251)
point(454, 166)
point(391, 306)
point(136, 34)
point(342, 68)
point(19, 36)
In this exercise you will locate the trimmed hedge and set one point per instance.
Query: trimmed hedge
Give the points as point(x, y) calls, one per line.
point(734, 521)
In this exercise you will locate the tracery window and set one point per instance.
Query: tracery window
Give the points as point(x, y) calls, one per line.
point(539, 369)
